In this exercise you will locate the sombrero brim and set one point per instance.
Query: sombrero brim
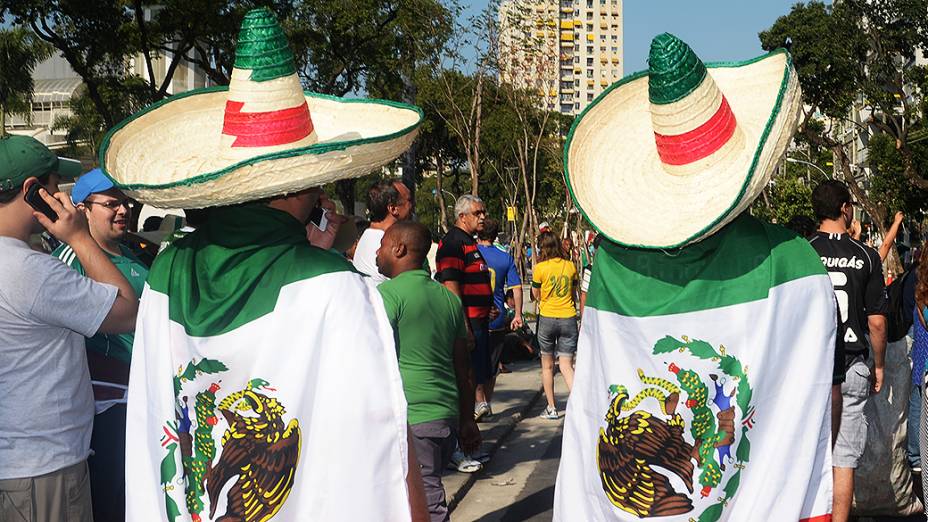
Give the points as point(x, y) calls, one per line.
point(169, 155)
point(616, 177)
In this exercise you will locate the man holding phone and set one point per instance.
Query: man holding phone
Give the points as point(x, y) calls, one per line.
point(46, 310)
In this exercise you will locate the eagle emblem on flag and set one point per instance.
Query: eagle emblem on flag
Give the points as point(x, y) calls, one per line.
point(254, 460)
point(689, 435)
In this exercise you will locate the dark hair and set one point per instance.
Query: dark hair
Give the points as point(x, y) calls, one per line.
point(380, 196)
point(802, 225)
point(196, 217)
point(415, 236)
point(152, 223)
point(549, 247)
point(9, 195)
point(828, 198)
point(490, 230)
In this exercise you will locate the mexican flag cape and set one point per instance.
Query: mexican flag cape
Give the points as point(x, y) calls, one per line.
point(264, 382)
point(702, 390)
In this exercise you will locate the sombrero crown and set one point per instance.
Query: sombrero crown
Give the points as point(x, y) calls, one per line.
point(668, 156)
point(259, 137)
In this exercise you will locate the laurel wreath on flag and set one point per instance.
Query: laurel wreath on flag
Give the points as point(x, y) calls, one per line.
point(732, 367)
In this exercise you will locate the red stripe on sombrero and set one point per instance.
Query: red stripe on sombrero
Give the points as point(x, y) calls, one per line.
point(820, 518)
point(265, 129)
point(700, 142)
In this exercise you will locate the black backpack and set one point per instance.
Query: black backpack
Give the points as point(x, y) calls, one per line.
point(898, 322)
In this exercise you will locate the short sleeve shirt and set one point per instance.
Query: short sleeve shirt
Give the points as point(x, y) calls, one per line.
point(459, 259)
point(116, 346)
point(365, 254)
point(427, 321)
point(856, 273)
point(503, 276)
point(46, 310)
point(555, 278)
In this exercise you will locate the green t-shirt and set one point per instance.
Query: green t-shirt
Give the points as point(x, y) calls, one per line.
point(427, 319)
point(117, 346)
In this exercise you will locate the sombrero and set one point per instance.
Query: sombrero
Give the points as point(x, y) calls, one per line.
point(261, 136)
point(667, 156)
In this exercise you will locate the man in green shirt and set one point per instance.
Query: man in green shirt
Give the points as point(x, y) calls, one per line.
point(428, 324)
point(107, 210)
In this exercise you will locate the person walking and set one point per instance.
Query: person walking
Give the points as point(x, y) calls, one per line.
point(433, 358)
point(554, 284)
point(239, 406)
point(46, 310)
point(857, 276)
point(504, 278)
point(108, 356)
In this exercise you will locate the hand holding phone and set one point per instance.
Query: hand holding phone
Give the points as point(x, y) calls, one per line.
point(319, 217)
point(34, 199)
point(68, 225)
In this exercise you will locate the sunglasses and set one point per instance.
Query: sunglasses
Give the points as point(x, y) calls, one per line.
point(114, 204)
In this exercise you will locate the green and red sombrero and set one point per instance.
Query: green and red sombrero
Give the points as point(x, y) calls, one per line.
point(260, 136)
point(668, 156)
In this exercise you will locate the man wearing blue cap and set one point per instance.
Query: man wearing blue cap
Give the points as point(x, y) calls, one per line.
point(45, 312)
point(107, 210)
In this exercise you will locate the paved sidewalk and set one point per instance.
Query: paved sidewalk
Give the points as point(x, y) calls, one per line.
point(515, 394)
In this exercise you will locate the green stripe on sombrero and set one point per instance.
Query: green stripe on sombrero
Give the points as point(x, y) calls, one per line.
point(263, 47)
point(739, 264)
point(675, 70)
point(231, 270)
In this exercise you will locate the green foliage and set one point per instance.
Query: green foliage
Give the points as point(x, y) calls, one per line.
point(889, 185)
point(20, 52)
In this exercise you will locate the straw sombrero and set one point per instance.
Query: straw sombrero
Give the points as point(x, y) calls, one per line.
point(668, 156)
point(259, 137)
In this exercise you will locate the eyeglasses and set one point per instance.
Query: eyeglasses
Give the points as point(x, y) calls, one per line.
point(114, 204)
point(479, 213)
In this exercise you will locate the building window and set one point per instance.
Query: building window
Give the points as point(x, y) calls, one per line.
point(589, 62)
point(577, 106)
point(615, 48)
point(589, 5)
point(589, 27)
point(576, 59)
point(615, 38)
point(576, 83)
point(589, 73)
point(589, 49)
point(589, 15)
point(589, 96)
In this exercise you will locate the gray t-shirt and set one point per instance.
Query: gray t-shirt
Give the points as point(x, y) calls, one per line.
point(46, 310)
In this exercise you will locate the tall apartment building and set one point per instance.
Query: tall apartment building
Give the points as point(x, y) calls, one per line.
point(567, 50)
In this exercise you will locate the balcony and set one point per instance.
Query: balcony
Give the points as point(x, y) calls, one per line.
point(615, 60)
point(567, 36)
point(589, 37)
point(567, 10)
point(567, 24)
point(603, 25)
point(567, 44)
point(567, 91)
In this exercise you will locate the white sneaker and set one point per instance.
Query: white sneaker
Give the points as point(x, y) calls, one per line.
point(550, 413)
point(481, 410)
point(461, 462)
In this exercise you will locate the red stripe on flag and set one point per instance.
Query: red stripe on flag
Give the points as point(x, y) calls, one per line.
point(265, 129)
point(820, 518)
point(700, 142)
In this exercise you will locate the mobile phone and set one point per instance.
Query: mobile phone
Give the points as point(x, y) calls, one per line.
point(34, 199)
point(319, 218)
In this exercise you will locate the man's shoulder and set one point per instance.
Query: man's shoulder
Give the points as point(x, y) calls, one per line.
point(68, 256)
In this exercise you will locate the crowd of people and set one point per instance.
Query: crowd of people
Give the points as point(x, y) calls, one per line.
point(271, 358)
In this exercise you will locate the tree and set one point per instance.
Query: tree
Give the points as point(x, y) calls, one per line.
point(856, 67)
point(20, 52)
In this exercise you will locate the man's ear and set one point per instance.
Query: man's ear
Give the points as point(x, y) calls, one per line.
point(28, 183)
point(399, 250)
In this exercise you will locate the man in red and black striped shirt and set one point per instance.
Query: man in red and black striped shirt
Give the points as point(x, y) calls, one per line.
point(462, 269)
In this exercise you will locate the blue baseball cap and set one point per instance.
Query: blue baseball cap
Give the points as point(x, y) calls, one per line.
point(92, 182)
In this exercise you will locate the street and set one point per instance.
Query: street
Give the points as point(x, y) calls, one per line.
point(517, 484)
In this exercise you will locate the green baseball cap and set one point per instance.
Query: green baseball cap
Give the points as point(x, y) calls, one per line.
point(23, 157)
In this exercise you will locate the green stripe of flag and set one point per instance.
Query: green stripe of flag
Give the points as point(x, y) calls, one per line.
point(739, 264)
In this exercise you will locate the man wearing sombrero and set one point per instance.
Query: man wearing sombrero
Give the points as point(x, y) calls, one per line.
point(704, 365)
point(239, 408)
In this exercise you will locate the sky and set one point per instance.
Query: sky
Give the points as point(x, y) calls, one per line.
point(717, 30)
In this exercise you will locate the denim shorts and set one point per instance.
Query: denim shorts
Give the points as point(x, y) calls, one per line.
point(558, 336)
point(852, 435)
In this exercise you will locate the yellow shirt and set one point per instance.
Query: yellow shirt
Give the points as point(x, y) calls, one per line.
point(556, 279)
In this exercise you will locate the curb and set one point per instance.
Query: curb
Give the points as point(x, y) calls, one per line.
point(506, 426)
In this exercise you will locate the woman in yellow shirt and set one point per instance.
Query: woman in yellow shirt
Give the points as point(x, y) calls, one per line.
point(554, 283)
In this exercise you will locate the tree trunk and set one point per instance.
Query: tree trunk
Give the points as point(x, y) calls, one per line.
point(344, 189)
point(2, 120)
point(440, 195)
point(475, 166)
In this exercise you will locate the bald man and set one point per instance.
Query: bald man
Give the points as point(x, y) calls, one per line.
point(428, 325)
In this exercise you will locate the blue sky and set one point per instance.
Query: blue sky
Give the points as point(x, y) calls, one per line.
point(715, 29)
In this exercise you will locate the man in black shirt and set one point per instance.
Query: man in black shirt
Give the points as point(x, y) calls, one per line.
point(857, 276)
